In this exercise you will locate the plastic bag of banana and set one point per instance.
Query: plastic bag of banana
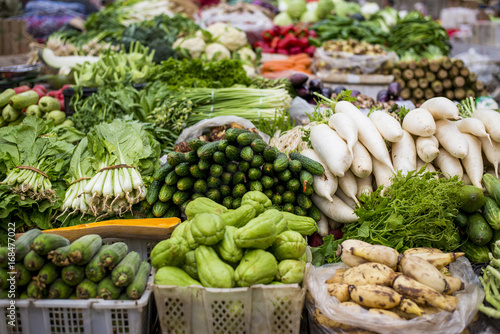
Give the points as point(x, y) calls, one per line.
point(378, 290)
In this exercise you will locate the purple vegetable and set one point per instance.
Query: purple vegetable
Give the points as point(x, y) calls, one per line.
point(311, 100)
point(398, 98)
point(339, 90)
point(394, 89)
point(303, 92)
point(383, 96)
point(315, 85)
point(298, 79)
point(355, 93)
point(326, 92)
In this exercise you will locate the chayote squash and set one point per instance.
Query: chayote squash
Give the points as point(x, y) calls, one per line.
point(303, 225)
point(227, 248)
point(291, 271)
point(212, 271)
point(258, 200)
point(174, 276)
point(260, 232)
point(289, 245)
point(189, 236)
point(170, 252)
point(256, 267)
point(240, 216)
point(207, 229)
point(179, 230)
point(190, 266)
point(281, 224)
point(203, 205)
point(276, 283)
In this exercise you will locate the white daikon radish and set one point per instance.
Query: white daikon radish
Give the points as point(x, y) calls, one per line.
point(365, 185)
point(336, 210)
point(441, 108)
point(427, 148)
point(361, 161)
point(473, 126)
point(419, 122)
point(491, 152)
point(386, 125)
point(331, 149)
point(346, 128)
point(383, 175)
point(466, 180)
point(346, 199)
point(349, 185)
point(491, 121)
point(404, 155)
point(448, 164)
point(368, 134)
point(323, 228)
point(428, 166)
point(473, 161)
point(451, 139)
point(324, 185)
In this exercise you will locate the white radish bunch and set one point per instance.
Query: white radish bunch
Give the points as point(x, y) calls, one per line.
point(331, 149)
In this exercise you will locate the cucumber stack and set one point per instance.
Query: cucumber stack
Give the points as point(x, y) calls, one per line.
point(225, 170)
point(48, 266)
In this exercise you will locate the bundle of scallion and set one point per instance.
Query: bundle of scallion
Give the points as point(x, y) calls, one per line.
point(122, 154)
point(32, 158)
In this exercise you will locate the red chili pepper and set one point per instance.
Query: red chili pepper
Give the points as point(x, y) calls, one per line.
point(295, 50)
point(41, 88)
point(303, 42)
point(286, 41)
point(286, 29)
point(267, 35)
point(274, 42)
point(22, 89)
point(310, 50)
point(260, 44)
point(282, 51)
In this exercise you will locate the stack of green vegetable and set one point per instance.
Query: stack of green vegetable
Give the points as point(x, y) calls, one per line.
point(491, 283)
point(49, 266)
point(225, 170)
point(220, 248)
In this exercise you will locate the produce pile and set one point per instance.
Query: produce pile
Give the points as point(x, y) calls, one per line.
point(287, 40)
point(48, 266)
point(220, 248)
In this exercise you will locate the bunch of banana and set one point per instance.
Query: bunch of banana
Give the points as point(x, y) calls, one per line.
point(403, 286)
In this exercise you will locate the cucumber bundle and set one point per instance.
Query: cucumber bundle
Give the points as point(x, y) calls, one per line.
point(48, 266)
point(225, 170)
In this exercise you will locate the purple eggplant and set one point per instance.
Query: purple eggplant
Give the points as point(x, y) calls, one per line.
point(298, 79)
point(303, 92)
point(394, 89)
point(355, 93)
point(315, 85)
point(383, 96)
point(326, 92)
point(339, 90)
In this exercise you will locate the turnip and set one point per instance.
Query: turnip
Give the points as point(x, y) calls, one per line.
point(365, 185)
point(441, 108)
point(382, 173)
point(491, 151)
point(451, 139)
point(473, 126)
point(404, 155)
point(427, 148)
point(331, 149)
point(419, 122)
point(324, 185)
point(473, 161)
point(346, 128)
point(448, 164)
point(491, 121)
point(368, 134)
point(349, 186)
point(361, 161)
point(336, 210)
point(387, 126)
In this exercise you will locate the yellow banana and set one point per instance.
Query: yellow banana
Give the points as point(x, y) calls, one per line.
point(338, 277)
point(402, 314)
point(420, 250)
point(377, 253)
point(339, 290)
point(385, 312)
point(344, 251)
point(352, 304)
point(421, 294)
point(375, 296)
point(439, 260)
point(454, 284)
point(409, 306)
point(423, 272)
point(369, 273)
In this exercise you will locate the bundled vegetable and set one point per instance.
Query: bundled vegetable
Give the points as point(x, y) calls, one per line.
point(490, 282)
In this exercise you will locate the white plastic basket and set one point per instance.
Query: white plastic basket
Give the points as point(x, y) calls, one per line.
point(255, 310)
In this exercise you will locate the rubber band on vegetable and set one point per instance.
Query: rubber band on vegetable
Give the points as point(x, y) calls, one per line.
point(116, 167)
point(80, 179)
point(34, 170)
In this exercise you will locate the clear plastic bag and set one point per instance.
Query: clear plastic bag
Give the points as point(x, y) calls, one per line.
point(326, 61)
point(443, 322)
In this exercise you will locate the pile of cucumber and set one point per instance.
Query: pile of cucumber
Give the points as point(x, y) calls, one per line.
point(48, 266)
point(225, 170)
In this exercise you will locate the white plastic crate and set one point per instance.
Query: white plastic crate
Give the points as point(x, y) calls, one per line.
point(92, 316)
point(255, 310)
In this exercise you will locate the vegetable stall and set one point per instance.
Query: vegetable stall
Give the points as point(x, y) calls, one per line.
point(197, 170)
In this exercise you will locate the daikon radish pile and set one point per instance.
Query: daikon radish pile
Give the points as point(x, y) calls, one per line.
point(491, 121)
point(336, 210)
point(427, 148)
point(449, 165)
point(419, 122)
point(331, 149)
point(365, 185)
point(473, 161)
point(388, 126)
point(349, 185)
point(441, 108)
point(346, 199)
point(346, 128)
point(473, 126)
point(451, 139)
point(324, 185)
point(491, 151)
point(382, 173)
point(404, 155)
point(361, 161)
point(428, 166)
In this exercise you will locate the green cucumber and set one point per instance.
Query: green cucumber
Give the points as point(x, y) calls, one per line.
point(461, 220)
point(232, 167)
point(256, 186)
point(48, 103)
point(94, 270)
point(244, 166)
point(46, 275)
point(267, 182)
point(204, 165)
point(223, 144)
point(245, 139)
point(277, 199)
point(491, 212)
point(478, 230)
point(195, 171)
point(257, 161)
point(59, 256)
point(270, 153)
point(24, 100)
point(213, 182)
point(162, 172)
point(200, 186)
point(72, 275)
point(313, 167)
point(86, 289)
point(46, 242)
point(236, 203)
point(254, 174)
point(185, 183)
point(226, 178)
point(280, 189)
point(227, 202)
point(238, 178)
point(268, 193)
point(474, 252)
point(34, 291)
point(107, 290)
point(173, 211)
point(299, 211)
point(206, 151)
point(216, 170)
point(171, 178)
point(84, 248)
point(175, 158)
point(159, 209)
point(33, 261)
point(288, 207)
point(195, 144)
point(5, 96)
point(306, 181)
point(288, 197)
point(233, 133)
point(22, 274)
point(124, 272)
point(304, 201)
point(166, 193)
point(59, 290)
point(295, 166)
point(280, 163)
point(220, 158)
point(285, 175)
point(140, 281)
point(246, 154)
point(22, 245)
point(182, 169)
point(153, 191)
point(267, 169)
point(232, 153)
point(314, 213)
point(225, 190)
point(239, 190)
point(293, 185)
point(4, 279)
point(180, 197)
point(191, 157)
point(214, 195)
point(492, 184)
point(258, 145)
